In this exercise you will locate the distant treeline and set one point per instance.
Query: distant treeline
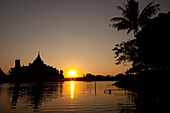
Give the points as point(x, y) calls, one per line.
point(91, 77)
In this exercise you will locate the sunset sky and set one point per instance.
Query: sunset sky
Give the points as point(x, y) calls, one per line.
point(70, 34)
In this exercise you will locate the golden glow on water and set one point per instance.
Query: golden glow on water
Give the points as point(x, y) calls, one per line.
point(72, 89)
point(75, 96)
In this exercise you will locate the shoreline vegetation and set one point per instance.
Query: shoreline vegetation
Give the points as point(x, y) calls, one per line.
point(91, 77)
point(148, 51)
point(154, 52)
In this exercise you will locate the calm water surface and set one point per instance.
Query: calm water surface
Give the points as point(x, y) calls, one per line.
point(68, 96)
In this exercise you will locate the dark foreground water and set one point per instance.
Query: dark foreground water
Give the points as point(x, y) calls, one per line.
point(69, 96)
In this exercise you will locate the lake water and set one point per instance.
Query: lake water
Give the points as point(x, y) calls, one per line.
point(68, 96)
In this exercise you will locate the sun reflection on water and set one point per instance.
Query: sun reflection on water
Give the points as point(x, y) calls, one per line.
point(72, 89)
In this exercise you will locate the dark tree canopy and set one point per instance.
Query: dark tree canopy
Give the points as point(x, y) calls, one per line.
point(153, 42)
point(150, 49)
point(125, 51)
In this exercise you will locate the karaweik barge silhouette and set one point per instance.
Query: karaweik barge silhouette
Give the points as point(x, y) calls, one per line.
point(37, 71)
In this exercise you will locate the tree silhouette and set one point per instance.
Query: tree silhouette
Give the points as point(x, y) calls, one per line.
point(132, 20)
point(150, 50)
point(126, 51)
point(153, 43)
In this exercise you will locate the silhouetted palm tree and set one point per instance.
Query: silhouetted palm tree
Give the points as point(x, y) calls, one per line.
point(132, 20)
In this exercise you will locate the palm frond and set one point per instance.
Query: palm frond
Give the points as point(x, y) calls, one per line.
point(121, 26)
point(129, 30)
point(149, 11)
point(118, 19)
point(122, 23)
point(153, 10)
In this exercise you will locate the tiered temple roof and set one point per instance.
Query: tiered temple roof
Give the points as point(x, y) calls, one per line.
point(36, 71)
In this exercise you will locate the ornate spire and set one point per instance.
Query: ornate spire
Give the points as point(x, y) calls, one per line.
point(38, 55)
point(38, 60)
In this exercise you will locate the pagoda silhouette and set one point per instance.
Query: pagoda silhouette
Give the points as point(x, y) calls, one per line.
point(36, 71)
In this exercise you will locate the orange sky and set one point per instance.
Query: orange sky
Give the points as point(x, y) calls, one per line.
point(70, 34)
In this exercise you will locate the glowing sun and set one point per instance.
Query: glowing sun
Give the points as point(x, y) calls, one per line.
point(72, 73)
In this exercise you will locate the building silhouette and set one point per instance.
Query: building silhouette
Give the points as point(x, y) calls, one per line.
point(36, 71)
